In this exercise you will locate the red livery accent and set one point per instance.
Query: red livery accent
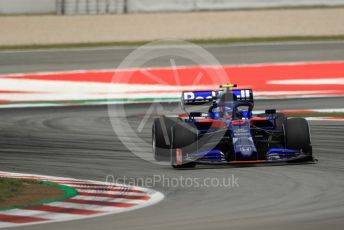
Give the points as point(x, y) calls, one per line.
point(179, 157)
point(214, 123)
point(257, 119)
point(205, 120)
point(184, 115)
point(238, 122)
point(219, 124)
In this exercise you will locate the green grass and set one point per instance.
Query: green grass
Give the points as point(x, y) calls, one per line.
point(10, 187)
point(14, 193)
point(195, 41)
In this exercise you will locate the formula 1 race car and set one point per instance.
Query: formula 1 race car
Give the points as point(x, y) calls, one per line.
point(228, 132)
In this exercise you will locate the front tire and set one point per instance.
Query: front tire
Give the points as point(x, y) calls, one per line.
point(297, 135)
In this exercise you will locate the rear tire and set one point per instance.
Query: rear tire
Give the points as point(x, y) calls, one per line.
point(161, 138)
point(297, 135)
point(184, 139)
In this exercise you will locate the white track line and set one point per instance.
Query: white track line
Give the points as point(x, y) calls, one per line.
point(324, 119)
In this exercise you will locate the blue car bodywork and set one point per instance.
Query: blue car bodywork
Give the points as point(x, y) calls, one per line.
point(230, 133)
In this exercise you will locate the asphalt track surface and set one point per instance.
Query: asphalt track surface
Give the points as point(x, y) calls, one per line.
point(110, 58)
point(80, 142)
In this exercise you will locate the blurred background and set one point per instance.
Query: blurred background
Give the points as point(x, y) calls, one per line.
point(71, 7)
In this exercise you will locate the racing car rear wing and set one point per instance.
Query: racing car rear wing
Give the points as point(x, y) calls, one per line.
point(203, 97)
point(198, 97)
